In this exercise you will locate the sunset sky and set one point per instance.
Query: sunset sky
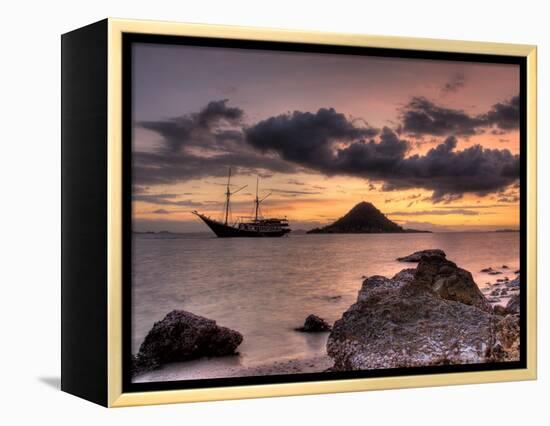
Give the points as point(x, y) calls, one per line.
point(433, 144)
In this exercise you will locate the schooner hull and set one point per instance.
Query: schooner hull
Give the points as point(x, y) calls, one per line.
point(225, 231)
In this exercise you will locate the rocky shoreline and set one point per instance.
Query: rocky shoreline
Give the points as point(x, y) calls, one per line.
point(434, 314)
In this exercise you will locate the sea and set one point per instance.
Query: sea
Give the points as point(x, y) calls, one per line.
point(265, 287)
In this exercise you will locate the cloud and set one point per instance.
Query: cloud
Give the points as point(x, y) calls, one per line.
point(292, 193)
point(337, 151)
point(463, 212)
point(161, 211)
point(210, 141)
point(504, 115)
point(305, 137)
point(423, 117)
point(201, 144)
point(197, 128)
point(423, 226)
point(508, 199)
point(454, 84)
point(166, 199)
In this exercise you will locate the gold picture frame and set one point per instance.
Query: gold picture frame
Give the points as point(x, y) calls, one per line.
point(115, 396)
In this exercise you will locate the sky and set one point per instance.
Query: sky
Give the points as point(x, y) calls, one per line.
point(434, 145)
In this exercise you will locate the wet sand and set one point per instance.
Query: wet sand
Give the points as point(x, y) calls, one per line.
point(230, 367)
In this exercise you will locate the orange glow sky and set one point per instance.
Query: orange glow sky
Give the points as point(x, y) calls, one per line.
point(179, 81)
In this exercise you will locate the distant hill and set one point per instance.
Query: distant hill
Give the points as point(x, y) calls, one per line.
point(364, 218)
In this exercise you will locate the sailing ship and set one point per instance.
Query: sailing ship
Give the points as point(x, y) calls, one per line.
point(258, 226)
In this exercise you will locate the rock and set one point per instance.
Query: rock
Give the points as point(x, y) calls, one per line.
point(494, 272)
point(516, 272)
point(489, 269)
point(504, 267)
point(378, 283)
point(433, 316)
point(513, 305)
point(314, 324)
point(508, 336)
point(450, 282)
point(182, 336)
point(500, 310)
point(418, 255)
point(513, 283)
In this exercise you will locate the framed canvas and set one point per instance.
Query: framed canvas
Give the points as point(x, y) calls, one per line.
point(254, 212)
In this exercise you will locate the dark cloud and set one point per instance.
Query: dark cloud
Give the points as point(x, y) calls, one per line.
point(444, 170)
point(304, 137)
point(201, 144)
point(454, 84)
point(165, 199)
point(423, 117)
point(504, 115)
point(450, 173)
point(295, 182)
point(162, 168)
point(161, 211)
point(198, 128)
point(208, 142)
point(292, 193)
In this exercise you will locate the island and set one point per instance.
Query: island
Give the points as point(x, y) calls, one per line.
point(364, 218)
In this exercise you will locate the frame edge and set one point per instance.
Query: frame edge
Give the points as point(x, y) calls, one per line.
point(116, 398)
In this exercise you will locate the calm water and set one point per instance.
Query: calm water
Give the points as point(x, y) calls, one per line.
point(266, 287)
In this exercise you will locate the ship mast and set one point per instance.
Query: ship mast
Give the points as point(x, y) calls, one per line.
point(257, 201)
point(228, 195)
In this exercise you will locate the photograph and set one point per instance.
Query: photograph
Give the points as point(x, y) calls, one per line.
point(302, 213)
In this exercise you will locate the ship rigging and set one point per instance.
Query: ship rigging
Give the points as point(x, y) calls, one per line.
point(257, 227)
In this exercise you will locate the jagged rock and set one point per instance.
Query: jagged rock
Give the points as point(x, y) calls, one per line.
point(500, 310)
point(378, 283)
point(513, 305)
point(417, 255)
point(433, 315)
point(183, 336)
point(507, 333)
point(513, 283)
point(450, 282)
point(314, 324)
point(489, 269)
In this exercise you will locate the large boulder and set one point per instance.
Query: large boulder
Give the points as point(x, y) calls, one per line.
point(314, 324)
point(450, 282)
point(182, 336)
point(418, 255)
point(433, 316)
